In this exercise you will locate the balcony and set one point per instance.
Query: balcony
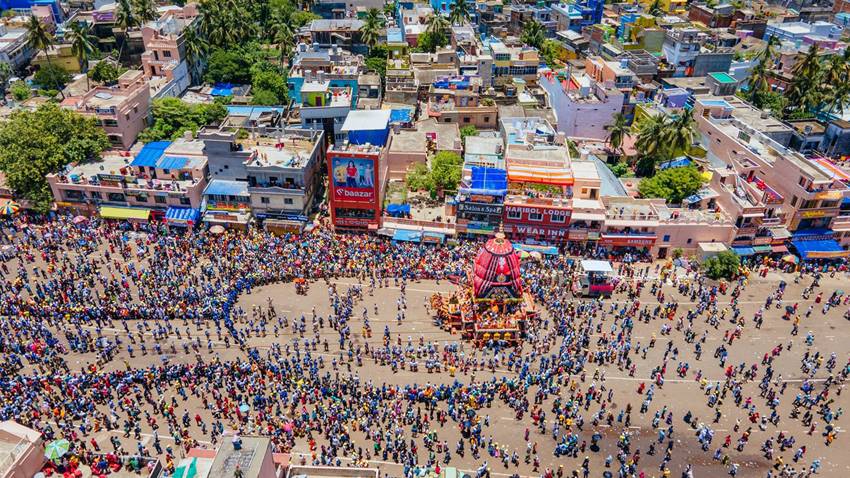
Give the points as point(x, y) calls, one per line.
point(537, 201)
point(760, 188)
point(841, 223)
point(767, 221)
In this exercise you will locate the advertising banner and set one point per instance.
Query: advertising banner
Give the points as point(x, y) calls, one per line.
point(354, 180)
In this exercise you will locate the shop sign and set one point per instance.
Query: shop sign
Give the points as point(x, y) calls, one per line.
point(481, 198)
point(829, 195)
point(474, 208)
point(827, 255)
point(627, 241)
point(351, 221)
point(579, 235)
point(547, 232)
point(813, 214)
point(593, 236)
point(762, 240)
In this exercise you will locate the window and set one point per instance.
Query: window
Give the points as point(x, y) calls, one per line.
point(793, 200)
point(559, 218)
point(166, 171)
point(287, 201)
point(514, 214)
point(136, 109)
point(666, 237)
point(74, 195)
point(159, 199)
point(802, 181)
point(535, 216)
point(116, 197)
point(96, 195)
point(185, 202)
point(141, 198)
point(690, 240)
point(166, 54)
point(486, 119)
point(466, 119)
point(110, 123)
point(264, 200)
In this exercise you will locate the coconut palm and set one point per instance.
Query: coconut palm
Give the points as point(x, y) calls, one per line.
point(284, 40)
point(533, 34)
point(651, 143)
point(145, 10)
point(40, 38)
point(370, 32)
point(459, 12)
point(125, 19)
point(805, 91)
point(437, 25)
point(82, 44)
point(680, 132)
point(617, 131)
point(196, 48)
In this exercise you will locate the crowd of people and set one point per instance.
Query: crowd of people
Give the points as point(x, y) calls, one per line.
point(81, 302)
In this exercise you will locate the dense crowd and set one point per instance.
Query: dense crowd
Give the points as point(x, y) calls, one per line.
point(113, 293)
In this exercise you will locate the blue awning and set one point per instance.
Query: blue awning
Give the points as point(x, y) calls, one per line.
point(819, 249)
point(743, 251)
point(437, 237)
point(225, 187)
point(172, 162)
point(407, 235)
point(182, 214)
point(150, 154)
point(548, 250)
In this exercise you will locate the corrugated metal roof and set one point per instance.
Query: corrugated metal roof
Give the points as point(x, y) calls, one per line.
point(172, 162)
point(223, 187)
point(150, 153)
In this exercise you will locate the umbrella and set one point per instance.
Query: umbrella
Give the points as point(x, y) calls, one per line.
point(791, 258)
point(839, 292)
point(79, 219)
point(244, 408)
point(9, 208)
point(217, 229)
point(57, 449)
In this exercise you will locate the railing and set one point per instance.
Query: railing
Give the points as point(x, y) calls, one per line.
point(400, 221)
point(841, 223)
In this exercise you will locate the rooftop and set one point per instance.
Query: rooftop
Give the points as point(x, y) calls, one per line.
point(289, 153)
point(249, 458)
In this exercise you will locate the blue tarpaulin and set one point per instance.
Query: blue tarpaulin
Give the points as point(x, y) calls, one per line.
point(182, 214)
point(222, 89)
point(223, 187)
point(679, 162)
point(491, 181)
point(407, 235)
point(819, 249)
point(743, 251)
point(401, 115)
point(172, 162)
point(548, 250)
point(398, 209)
point(150, 154)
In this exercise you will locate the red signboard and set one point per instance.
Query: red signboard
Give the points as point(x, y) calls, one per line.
point(351, 222)
point(354, 179)
point(540, 215)
point(627, 241)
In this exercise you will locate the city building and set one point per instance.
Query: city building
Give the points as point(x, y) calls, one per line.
point(21, 450)
point(337, 66)
point(409, 147)
point(522, 14)
point(357, 179)
point(583, 107)
point(343, 32)
point(683, 50)
point(164, 60)
point(163, 175)
point(479, 204)
point(511, 62)
point(456, 100)
point(14, 50)
point(283, 172)
point(122, 110)
point(59, 55)
point(325, 107)
point(797, 32)
point(578, 15)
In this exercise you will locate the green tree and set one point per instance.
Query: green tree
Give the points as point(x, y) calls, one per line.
point(105, 71)
point(419, 178)
point(285, 43)
point(617, 131)
point(40, 38)
point(271, 82)
point(619, 169)
point(264, 98)
point(533, 34)
point(5, 73)
point(437, 27)
point(36, 143)
point(299, 19)
point(804, 94)
point(430, 42)
point(145, 10)
point(370, 32)
point(469, 130)
point(674, 184)
point(722, 266)
point(49, 76)
point(20, 91)
point(550, 51)
point(446, 170)
point(836, 84)
point(172, 117)
point(459, 12)
point(196, 48)
point(681, 132)
point(80, 37)
point(651, 144)
point(125, 20)
point(227, 66)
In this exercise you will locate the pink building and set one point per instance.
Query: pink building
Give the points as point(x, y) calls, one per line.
point(21, 450)
point(122, 110)
point(164, 60)
point(163, 175)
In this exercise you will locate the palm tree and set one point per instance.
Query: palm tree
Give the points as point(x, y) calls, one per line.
point(651, 143)
point(836, 89)
point(680, 132)
point(533, 34)
point(437, 25)
point(459, 12)
point(82, 45)
point(757, 84)
point(125, 19)
point(767, 54)
point(284, 39)
point(145, 10)
point(617, 131)
point(40, 38)
point(370, 32)
point(196, 48)
point(655, 8)
point(804, 93)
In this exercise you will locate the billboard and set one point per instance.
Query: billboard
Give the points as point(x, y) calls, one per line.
point(354, 179)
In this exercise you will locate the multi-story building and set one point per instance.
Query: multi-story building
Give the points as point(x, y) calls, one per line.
point(769, 184)
point(575, 16)
point(797, 32)
point(338, 66)
point(122, 110)
point(356, 178)
point(163, 175)
point(672, 7)
point(343, 32)
point(456, 100)
point(14, 49)
point(683, 50)
point(522, 14)
point(583, 107)
point(283, 177)
point(512, 62)
point(164, 60)
point(492, 19)
point(324, 107)
point(59, 55)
